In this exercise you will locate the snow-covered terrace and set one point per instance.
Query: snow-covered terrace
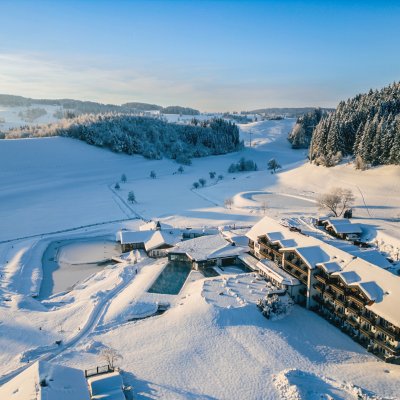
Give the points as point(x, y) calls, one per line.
point(379, 285)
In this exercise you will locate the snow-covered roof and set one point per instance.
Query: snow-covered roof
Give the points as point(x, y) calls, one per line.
point(379, 285)
point(106, 387)
point(276, 273)
point(343, 225)
point(153, 225)
point(207, 247)
point(239, 238)
point(330, 266)
point(61, 383)
point(128, 237)
point(161, 238)
point(150, 239)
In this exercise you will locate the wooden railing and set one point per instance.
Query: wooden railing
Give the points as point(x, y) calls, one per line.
point(104, 369)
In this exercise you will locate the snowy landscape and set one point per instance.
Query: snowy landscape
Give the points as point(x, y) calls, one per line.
point(199, 200)
point(59, 190)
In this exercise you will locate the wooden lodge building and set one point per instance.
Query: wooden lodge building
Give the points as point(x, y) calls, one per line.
point(361, 298)
point(342, 228)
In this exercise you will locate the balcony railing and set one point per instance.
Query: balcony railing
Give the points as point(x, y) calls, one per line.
point(353, 323)
point(356, 299)
point(299, 268)
point(353, 308)
point(318, 287)
point(388, 331)
point(366, 332)
point(340, 302)
point(320, 278)
point(369, 319)
point(387, 346)
point(337, 288)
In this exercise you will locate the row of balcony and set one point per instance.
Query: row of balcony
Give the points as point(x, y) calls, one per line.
point(361, 325)
point(337, 290)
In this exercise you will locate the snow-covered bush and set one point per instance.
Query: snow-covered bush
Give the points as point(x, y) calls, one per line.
point(274, 306)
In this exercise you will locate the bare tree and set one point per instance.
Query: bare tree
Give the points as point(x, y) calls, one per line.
point(110, 356)
point(336, 200)
point(228, 203)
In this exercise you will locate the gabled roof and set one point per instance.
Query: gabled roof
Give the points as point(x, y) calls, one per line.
point(128, 237)
point(162, 238)
point(343, 225)
point(150, 239)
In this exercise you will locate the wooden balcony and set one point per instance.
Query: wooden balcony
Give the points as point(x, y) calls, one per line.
point(387, 331)
point(356, 299)
point(337, 288)
point(320, 278)
point(265, 248)
point(370, 320)
point(341, 303)
point(297, 267)
point(366, 333)
point(354, 324)
point(318, 287)
point(353, 308)
point(387, 346)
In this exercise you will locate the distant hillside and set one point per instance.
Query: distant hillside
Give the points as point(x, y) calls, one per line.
point(300, 135)
point(142, 106)
point(366, 126)
point(290, 112)
point(151, 137)
point(90, 107)
point(180, 110)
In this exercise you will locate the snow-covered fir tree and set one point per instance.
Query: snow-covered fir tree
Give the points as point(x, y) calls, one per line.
point(366, 126)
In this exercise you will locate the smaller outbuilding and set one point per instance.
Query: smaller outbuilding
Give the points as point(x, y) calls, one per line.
point(342, 228)
point(154, 242)
point(107, 386)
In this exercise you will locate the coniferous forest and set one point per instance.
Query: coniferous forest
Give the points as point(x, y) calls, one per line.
point(366, 127)
point(300, 136)
point(151, 137)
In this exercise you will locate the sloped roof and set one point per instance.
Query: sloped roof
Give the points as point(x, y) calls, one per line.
point(343, 225)
point(207, 247)
point(277, 273)
point(161, 238)
point(379, 285)
point(62, 383)
point(128, 237)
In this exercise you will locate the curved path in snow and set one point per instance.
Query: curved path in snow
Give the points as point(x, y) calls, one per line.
point(249, 199)
point(96, 315)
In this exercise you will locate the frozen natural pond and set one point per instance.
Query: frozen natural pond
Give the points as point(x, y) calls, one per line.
point(67, 262)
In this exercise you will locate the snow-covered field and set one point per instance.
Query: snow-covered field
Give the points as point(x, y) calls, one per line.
point(57, 189)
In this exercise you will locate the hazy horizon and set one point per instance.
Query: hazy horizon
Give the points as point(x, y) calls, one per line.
point(212, 56)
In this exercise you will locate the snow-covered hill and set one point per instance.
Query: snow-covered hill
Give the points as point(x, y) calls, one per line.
point(58, 188)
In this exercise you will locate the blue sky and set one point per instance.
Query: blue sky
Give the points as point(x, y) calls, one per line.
point(211, 55)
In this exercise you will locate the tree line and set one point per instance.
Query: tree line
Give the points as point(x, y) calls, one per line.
point(366, 127)
point(153, 138)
